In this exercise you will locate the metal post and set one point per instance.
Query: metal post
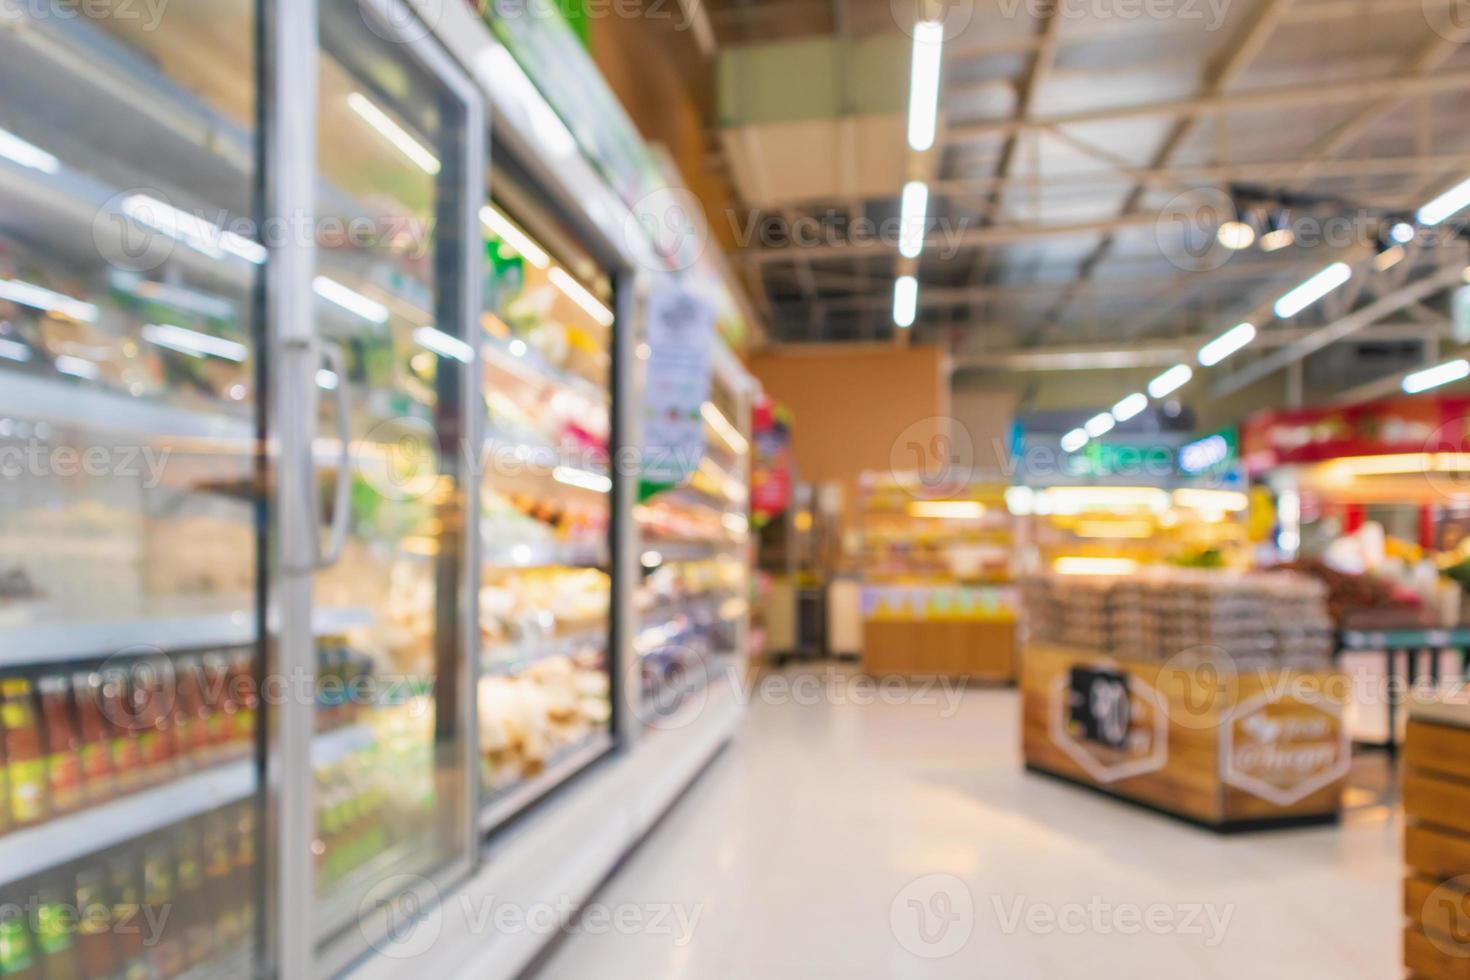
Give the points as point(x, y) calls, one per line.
point(289, 104)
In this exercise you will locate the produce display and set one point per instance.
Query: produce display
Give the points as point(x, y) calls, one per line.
point(1256, 618)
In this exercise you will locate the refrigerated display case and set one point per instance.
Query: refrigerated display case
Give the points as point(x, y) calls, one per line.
point(133, 462)
point(545, 690)
point(693, 602)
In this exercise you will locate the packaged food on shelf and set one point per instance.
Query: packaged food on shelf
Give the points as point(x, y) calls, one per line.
point(551, 705)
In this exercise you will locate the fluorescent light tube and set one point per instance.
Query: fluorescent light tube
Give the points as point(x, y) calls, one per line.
point(585, 479)
point(1319, 285)
point(194, 343)
point(1074, 440)
point(579, 294)
point(1170, 381)
point(924, 83)
point(724, 428)
point(1100, 424)
point(905, 300)
point(1440, 374)
point(502, 228)
point(39, 298)
point(198, 233)
point(913, 215)
point(394, 133)
point(17, 150)
point(350, 300)
point(1128, 407)
point(14, 351)
point(443, 344)
point(76, 367)
point(1450, 202)
point(1227, 343)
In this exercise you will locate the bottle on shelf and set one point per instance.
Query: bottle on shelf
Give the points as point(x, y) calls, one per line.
point(153, 704)
point(18, 959)
point(63, 746)
point(166, 956)
point(25, 760)
point(192, 911)
point(117, 713)
point(4, 791)
point(247, 700)
point(96, 950)
point(98, 783)
point(55, 924)
point(125, 889)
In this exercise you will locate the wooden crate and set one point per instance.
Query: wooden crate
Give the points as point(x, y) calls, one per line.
point(1436, 791)
point(1196, 751)
point(983, 650)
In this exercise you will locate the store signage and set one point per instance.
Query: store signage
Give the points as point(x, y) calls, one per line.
point(1283, 747)
point(1101, 459)
point(770, 476)
point(680, 335)
point(1111, 723)
point(1398, 425)
point(1098, 707)
point(1210, 455)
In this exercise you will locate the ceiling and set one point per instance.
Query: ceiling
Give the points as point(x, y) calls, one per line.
point(1085, 154)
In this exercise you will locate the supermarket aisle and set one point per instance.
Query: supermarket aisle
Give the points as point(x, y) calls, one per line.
point(835, 840)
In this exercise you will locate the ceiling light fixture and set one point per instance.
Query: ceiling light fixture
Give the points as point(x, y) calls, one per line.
point(1170, 381)
point(194, 343)
point(912, 216)
point(350, 300)
point(501, 227)
point(394, 133)
point(1277, 238)
point(1100, 424)
point(1227, 343)
point(1440, 374)
point(1235, 235)
point(1128, 407)
point(924, 83)
point(1309, 292)
point(1402, 232)
point(580, 295)
point(1075, 440)
point(443, 344)
point(17, 150)
point(905, 300)
point(1451, 202)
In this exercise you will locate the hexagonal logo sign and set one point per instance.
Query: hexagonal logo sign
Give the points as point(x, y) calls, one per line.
point(1283, 748)
point(1109, 722)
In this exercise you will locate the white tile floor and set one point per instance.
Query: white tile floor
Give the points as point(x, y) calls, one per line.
point(868, 842)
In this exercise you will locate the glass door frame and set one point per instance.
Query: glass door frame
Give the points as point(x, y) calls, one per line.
point(291, 58)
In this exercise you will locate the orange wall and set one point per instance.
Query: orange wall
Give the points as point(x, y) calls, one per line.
point(857, 408)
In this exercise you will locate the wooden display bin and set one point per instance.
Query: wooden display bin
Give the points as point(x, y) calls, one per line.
point(1240, 751)
point(1436, 784)
point(978, 649)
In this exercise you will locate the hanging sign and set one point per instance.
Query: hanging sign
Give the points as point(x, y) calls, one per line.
point(770, 477)
point(680, 336)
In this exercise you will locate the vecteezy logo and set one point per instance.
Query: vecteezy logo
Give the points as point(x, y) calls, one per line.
point(130, 230)
point(401, 23)
point(1201, 687)
point(668, 227)
point(933, 916)
point(936, 452)
point(399, 458)
point(399, 918)
point(1447, 449)
point(1445, 917)
point(1187, 229)
point(955, 15)
point(1450, 21)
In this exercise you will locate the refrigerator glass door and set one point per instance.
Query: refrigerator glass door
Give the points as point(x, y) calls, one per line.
point(391, 774)
point(132, 508)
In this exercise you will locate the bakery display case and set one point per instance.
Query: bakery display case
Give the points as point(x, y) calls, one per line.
point(133, 458)
point(545, 690)
point(692, 605)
